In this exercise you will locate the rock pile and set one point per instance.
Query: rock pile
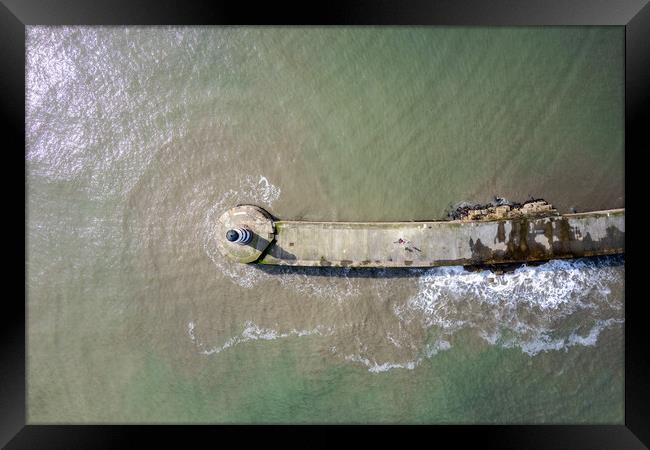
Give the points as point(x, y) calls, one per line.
point(502, 209)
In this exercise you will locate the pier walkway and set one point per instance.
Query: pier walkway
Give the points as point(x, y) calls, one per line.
point(429, 243)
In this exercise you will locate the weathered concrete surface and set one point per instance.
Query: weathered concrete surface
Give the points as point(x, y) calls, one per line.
point(426, 244)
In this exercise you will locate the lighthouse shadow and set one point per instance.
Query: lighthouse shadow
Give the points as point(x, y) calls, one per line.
point(407, 272)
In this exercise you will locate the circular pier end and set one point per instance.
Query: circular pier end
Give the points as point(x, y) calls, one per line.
point(250, 217)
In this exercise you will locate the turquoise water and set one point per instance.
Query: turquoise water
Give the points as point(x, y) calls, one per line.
point(138, 138)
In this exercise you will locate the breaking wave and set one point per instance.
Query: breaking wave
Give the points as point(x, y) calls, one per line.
point(251, 332)
point(554, 306)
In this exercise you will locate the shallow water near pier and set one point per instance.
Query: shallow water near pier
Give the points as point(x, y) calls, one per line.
point(139, 138)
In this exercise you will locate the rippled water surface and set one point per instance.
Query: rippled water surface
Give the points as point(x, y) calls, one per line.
point(138, 138)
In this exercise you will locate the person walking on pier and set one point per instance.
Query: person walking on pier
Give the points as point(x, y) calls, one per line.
point(406, 241)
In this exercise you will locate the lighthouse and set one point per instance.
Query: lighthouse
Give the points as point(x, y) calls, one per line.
point(241, 236)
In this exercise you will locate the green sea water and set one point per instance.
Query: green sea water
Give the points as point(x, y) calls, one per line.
point(138, 138)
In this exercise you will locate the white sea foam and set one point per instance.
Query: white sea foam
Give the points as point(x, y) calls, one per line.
point(527, 308)
point(269, 192)
point(533, 309)
point(333, 288)
point(253, 332)
point(377, 367)
point(542, 342)
point(190, 331)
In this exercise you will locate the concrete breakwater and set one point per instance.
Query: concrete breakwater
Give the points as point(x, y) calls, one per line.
point(502, 238)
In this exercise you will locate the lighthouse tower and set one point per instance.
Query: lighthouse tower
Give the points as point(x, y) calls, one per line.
point(241, 236)
point(248, 230)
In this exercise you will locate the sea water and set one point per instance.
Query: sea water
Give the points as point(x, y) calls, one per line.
point(138, 138)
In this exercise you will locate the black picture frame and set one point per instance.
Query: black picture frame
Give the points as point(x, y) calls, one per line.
point(634, 15)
